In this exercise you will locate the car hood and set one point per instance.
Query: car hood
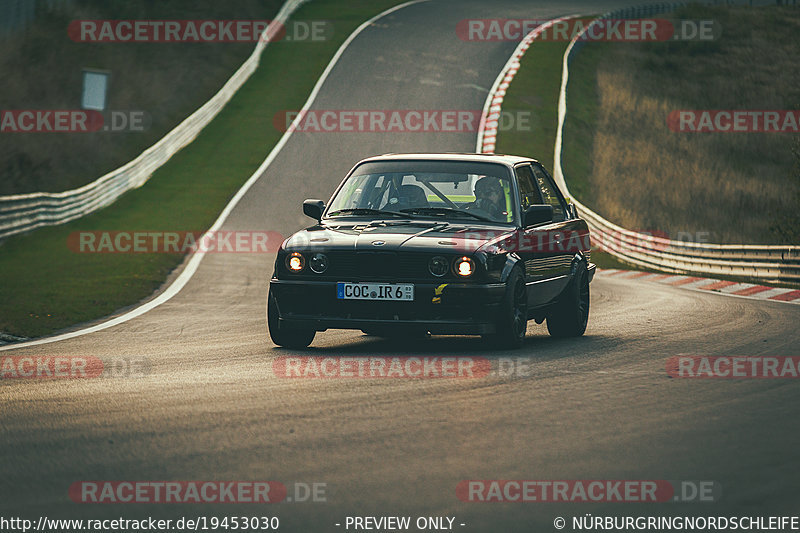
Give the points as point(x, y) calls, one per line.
point(396, 235)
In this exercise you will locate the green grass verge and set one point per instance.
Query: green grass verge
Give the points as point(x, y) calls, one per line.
point(46, 287)
point(622, 161)
point(166, 81)
point(581, 122)
point(534, 90)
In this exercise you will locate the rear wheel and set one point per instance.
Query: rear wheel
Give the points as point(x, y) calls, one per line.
point(286, 336)
point(569, 316)
point(513, 320)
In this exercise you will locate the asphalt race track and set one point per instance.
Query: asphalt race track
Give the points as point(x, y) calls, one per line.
point(598, 407)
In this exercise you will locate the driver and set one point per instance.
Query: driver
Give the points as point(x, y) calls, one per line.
point(489, 198)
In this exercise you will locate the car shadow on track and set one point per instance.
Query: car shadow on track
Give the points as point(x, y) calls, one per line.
point(536, 345)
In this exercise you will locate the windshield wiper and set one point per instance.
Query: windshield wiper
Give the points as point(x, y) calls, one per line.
point(367, 211)
point(444, 211)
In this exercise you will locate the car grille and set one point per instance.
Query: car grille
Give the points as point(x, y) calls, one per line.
point(367, 266)
point(378, 265)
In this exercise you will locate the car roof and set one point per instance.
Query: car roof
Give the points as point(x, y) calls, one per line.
point(452, 156)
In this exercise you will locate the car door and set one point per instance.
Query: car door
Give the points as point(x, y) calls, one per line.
point(549, 248)
point(534, 247)
point(568, 234)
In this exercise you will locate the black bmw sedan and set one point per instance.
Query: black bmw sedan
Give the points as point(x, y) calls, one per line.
point(411, 244)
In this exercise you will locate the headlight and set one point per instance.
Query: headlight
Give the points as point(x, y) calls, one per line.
point(318, 263)
point(438, 266)
point(295, 262)
point(464, 266)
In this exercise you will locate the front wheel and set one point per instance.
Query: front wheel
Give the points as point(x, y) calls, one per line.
point(512, 323)
point(282, 335)
point(569, 316)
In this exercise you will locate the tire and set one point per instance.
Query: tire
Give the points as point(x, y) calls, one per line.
point(286, 336)
point(569, 316)
point(512, 323)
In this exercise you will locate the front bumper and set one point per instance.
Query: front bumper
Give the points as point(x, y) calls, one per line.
point(456, 308)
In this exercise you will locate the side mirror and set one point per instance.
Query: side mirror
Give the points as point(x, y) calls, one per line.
point(538, 214)
point(572, 210)
point(313, 209)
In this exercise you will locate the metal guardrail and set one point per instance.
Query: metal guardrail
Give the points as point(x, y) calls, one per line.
point(756, 262)
point(24, 212)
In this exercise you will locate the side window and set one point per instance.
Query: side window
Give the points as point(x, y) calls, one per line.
point(550, 193)
point(528, 192)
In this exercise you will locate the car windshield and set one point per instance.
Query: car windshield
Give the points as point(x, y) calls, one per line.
point(433, 190)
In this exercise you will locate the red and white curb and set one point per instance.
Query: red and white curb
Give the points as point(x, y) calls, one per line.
point(487, 140)
point(487, 133)
point(729, 288)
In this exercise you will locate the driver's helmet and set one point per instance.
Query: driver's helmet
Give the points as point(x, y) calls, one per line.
point(488, 189)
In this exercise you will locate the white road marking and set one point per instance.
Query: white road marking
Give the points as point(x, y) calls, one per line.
point(184, 277)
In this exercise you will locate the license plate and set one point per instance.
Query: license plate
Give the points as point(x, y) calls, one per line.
point(401, 292)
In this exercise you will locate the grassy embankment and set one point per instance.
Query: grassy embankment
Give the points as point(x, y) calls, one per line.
point(46, 287)
point(161, 82)
point(622, 160)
